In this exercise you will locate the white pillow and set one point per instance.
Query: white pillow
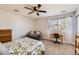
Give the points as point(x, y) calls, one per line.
point(32, 32)
point(3, 50)
point(38, 32)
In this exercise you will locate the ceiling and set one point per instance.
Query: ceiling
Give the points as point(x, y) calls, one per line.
point(52, 9)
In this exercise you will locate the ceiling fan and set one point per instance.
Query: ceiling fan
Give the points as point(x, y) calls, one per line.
point(35, 9)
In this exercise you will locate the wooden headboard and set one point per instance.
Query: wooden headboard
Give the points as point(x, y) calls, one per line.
point(5, 35)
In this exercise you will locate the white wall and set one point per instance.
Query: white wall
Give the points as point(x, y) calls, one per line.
point(41, 25)
point(19, 24)
point(78, 25)
point(77, 13)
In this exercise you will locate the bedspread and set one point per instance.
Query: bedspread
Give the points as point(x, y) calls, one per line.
point(25, 46)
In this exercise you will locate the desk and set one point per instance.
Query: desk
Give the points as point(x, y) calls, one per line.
point(57, 38)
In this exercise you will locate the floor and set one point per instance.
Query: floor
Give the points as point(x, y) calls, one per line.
point(58, 49)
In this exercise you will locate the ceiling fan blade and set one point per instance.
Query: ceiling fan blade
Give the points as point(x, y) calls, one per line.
point(37, 13)
point(39, 5)
point(28, 8)
point(30, 12)
point(16, 10)
point(42, 11)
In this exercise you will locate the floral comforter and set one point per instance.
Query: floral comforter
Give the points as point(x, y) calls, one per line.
point(25, 46)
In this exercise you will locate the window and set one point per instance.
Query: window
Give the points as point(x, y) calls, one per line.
point(55, 25)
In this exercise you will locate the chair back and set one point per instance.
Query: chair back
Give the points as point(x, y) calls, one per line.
point(56, 35)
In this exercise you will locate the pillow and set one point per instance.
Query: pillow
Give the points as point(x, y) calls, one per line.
point(32, 32)
point(38, 32)
point(3, 50)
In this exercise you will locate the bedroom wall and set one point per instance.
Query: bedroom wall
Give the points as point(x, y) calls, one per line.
point(41, 24)
point(19, 24)
point(77, 13)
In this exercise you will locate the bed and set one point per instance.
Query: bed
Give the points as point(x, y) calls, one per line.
point(25, 46)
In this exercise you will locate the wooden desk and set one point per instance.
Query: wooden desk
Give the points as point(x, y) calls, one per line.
point(60, 37)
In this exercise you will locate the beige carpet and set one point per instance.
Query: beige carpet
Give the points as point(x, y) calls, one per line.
point(57, 49)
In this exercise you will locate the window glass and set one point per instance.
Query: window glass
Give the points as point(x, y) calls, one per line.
point(56, 24)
